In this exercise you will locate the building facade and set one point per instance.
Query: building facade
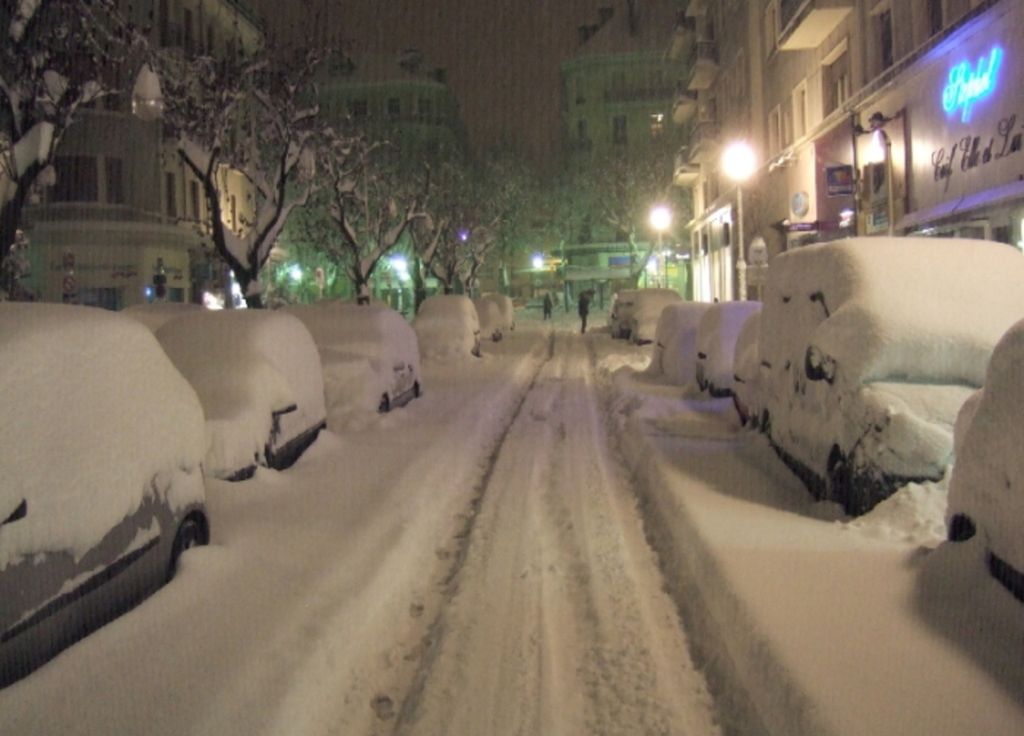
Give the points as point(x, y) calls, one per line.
point(618, 95)
point(121, 221)
point(867, 117)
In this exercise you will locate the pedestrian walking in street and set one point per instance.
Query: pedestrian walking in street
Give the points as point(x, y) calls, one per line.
point(584, 308)
point(547, 305)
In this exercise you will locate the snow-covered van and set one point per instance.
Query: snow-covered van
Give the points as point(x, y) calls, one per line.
point(869, 347)
point(101, 449)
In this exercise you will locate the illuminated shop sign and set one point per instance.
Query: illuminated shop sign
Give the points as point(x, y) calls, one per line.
point(966, 84)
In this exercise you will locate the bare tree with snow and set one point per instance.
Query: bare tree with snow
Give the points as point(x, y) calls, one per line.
point(245, 116)
point(57, 57)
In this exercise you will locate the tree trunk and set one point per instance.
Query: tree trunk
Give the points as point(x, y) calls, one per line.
point(11, 212)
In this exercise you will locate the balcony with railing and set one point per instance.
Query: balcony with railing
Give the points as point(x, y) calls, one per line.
point(685, 174)
point(806, 24)
point(684, 105)
point(703, 63)
point(684, 33)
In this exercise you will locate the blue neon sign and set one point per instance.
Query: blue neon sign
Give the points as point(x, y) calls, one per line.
point(967, 85)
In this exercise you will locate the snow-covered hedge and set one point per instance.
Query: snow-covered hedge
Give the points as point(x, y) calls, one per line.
point(249, 367)
point(717, 334)
point(987, 483)
point(675, 342)
point(447, 325)
point(869, 346)
point(93, 411)
point(368, 352)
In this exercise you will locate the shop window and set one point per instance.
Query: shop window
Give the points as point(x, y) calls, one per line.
point(103, 297)
point(77, 179)
point(114, 174)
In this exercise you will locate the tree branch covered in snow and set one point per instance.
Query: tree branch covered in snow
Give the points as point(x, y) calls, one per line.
point(245, 120)
point(58, 57)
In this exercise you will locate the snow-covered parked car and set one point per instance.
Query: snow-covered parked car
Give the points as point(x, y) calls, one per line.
point(505, 308)
point(675, 342)
point(623, 303)
point(369, 353)
point(717, 335)
point(641, 320)
point(984, 488)
point(156, 314)
point(259, 379)
point(447, 325)
point(870, 346)
point(102, 475)
point(746, 364)
point(492, 324)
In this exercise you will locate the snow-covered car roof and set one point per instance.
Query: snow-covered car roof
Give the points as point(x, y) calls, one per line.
point(506, 309)
point(989, 469)
point(360, 347)
point(647, 306)
point(154, 315)
point(922, 309)
point(245, 365)
point(675, 341)
point(447, 324)
point(717, 335)
point(492, 323)
point(90, 402)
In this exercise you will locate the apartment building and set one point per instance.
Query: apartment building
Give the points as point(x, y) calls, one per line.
point(123, 222)
point(866, 117)
point(618, 94)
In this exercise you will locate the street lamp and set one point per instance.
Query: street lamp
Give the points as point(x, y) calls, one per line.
point(147, 97)
point(660, 219)
point(738, 164)
point(880, 151)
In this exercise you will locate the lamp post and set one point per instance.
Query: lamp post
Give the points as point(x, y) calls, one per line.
point(738, 164)
point(660, 219)
point(880, 152)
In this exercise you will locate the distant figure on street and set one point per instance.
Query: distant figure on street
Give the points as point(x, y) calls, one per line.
point(584, 307)
point(547, 305)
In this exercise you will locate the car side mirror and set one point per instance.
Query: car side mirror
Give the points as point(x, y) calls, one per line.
point(19, 513)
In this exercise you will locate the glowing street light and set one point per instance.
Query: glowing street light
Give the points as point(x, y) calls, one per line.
point(538, 261)
point(660, 219)
point(739, 162)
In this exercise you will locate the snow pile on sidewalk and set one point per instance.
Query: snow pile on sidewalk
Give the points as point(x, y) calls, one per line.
point(808, 622)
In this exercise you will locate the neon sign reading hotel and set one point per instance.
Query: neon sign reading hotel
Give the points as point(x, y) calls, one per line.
point(967, 85)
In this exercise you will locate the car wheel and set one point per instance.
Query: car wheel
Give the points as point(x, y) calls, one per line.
point(385, 404)
point(961, 528)
point(838, 476)
point(191, 533)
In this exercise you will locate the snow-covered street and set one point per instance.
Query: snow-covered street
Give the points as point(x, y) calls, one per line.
point(548, 541)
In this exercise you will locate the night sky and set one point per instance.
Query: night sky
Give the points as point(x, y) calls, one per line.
point(502, 56)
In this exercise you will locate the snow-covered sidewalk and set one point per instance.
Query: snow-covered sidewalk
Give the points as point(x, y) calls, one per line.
point(808, 623)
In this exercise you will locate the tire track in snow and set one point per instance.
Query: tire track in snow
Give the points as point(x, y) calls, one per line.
point(557, 621)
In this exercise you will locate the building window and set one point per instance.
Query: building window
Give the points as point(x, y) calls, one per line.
point(619, 130)
point(883, 25)
point(836, 81)
point(359, 109)
point(193, 196)
point(800, 110)
point(771, 28)
point(77, 179)
point(934, 19)
point(657, 125)
point(165, 23)
point(787, 126)
point(209, 40)
point(394, 107)
point(170, 194)
point(775, 130)
point(114, 170)
point(425, 109)
point(189, 44)
point(582, 136)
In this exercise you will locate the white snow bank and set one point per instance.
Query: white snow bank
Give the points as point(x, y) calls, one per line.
point(245, 365)
point(987, 482)
point(93, 410)
point(447, 325)
point(675, 342)
point(367, 351)
point(717, 334)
